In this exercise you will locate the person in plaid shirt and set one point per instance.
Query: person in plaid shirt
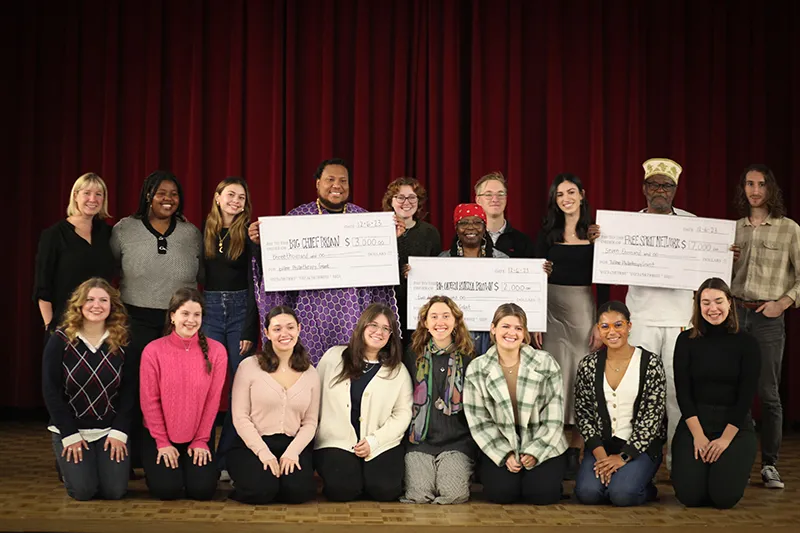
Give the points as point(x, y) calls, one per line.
point(766, 282)
point(514, 402)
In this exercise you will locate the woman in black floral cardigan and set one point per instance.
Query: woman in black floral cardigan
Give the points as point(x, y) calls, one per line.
point(620, 399)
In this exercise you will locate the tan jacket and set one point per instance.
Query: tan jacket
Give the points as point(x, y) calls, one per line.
point(385, 407)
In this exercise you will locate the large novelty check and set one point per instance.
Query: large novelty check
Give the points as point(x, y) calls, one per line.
point(479, 286)
point(673, 252)
point(329, 251)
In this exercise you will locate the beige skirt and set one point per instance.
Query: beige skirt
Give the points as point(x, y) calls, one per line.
point(570, 317)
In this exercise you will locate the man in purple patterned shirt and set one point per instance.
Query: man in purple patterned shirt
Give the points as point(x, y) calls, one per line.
point(327, 316)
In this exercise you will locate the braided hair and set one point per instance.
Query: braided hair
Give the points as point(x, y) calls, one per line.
point(181, 296)
point(149, 188)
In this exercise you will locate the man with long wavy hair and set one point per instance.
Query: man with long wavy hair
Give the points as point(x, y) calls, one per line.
point(766, 282)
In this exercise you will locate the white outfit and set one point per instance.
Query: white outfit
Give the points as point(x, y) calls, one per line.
point(658, 317)
point(620, 402)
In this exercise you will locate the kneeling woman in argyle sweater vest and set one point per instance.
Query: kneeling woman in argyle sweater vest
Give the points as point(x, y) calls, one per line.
point(89, 393)
point(182, 375)
point(514, 401)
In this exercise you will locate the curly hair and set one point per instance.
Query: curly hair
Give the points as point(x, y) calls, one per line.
point(394, 188)
point(237, 233)
point(267, 358)
point(774, 194)
point(116, 323)
point(461, 336)
point(182, 296)
point(334, 161)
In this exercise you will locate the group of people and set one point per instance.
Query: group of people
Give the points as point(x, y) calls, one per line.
point(386, 410)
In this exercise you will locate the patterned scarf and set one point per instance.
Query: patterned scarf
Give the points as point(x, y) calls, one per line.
point(450, 404)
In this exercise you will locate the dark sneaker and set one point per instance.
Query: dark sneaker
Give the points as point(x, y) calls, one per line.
point(771, 477)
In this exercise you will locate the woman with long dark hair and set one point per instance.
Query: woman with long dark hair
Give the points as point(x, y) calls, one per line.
point(717, 367)
point(365, 411)
point(157, 252)
point(182, 375)
point(275, 409)
point(566, 240)
point(440, 455)
point(231, 313)
point(90, 405)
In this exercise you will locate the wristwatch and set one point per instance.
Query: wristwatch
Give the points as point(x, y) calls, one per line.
point(625, 457)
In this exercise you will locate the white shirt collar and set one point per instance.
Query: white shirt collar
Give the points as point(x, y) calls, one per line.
point(89, 345)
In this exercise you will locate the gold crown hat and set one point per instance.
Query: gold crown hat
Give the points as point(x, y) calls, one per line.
point(663, 167)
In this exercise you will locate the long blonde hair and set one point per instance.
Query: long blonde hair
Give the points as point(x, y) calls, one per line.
point(238, 230)
point(90, 178)
point(461, 337)
point(116, 323)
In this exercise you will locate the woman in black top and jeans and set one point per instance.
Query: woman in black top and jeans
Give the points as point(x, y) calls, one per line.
point(74, 250)
point(716, 376)
point(231, 313)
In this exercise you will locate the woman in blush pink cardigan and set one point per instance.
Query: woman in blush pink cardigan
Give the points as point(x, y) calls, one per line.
point(181, 375)
point(275, 408)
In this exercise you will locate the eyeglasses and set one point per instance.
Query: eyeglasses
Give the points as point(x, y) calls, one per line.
point(489, 195)
point(666, 187)
point(374, 326)
point(469, 223)
point(403, 199)
point(619, 325)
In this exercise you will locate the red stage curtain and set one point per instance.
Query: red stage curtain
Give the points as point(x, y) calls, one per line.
point(444, 90)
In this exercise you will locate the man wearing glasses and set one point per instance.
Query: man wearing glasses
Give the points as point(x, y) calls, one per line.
point(659, 315)
point(491, 194)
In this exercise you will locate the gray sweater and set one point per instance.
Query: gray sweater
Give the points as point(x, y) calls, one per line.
point(148, 278)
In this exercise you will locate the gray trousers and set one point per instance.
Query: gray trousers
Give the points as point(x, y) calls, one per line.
point(442, 479)
point(97, 476)
point(771, 336)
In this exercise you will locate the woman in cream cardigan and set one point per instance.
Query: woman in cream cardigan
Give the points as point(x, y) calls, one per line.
point(514, 402)
point(365, 411)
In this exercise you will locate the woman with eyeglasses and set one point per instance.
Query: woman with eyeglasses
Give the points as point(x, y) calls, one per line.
point(620, 403)
point(407, 197)
point(364, 412)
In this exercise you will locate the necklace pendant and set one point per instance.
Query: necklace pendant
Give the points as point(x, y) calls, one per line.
point(220, 247)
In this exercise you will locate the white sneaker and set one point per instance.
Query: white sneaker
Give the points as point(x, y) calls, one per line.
point(771, 477)
point(224, 476)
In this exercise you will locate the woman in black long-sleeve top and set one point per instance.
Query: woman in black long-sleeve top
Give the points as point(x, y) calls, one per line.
point(73, 250)
point(716, 376)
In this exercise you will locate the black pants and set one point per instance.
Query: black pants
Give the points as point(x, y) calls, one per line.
point(146, 325)
point(255, 485)
point(346, 477)
point(165, 483)
point(539, 486)
point(720, 484)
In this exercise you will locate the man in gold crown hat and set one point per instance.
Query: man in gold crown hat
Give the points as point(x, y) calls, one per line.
point(660, 314)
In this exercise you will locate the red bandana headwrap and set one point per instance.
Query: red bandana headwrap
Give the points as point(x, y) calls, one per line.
point(468, 210)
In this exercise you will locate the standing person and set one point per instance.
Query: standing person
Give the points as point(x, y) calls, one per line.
point(275, 410)
point(658, 326)
point(440, 455)
point(328, 315)
point(365, 411)
point(491, 193)
point(231, 314)
point(73, 250)
point(158, 252)
point(514, 401)
point(620, 404)
point(566, 241)
point(716, 376)
point(407, 197)
point(766, 282)
point(182, 375)
point(90, 393)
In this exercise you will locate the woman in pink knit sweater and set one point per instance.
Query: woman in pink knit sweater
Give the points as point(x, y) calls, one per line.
point(182, 375)
point(275, 408)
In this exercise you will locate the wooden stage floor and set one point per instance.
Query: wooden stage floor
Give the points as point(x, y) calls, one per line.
point(32, 499)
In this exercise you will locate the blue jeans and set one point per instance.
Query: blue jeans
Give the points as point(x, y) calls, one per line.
point(630, 485)
point(223, 321)
point(97, 476)
point(482, 341)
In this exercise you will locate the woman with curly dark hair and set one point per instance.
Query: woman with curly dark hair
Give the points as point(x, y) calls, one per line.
point(90, 392)
point(275, 410)
point(182, 375)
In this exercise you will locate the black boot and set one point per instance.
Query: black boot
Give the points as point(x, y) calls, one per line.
point(573, 463)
